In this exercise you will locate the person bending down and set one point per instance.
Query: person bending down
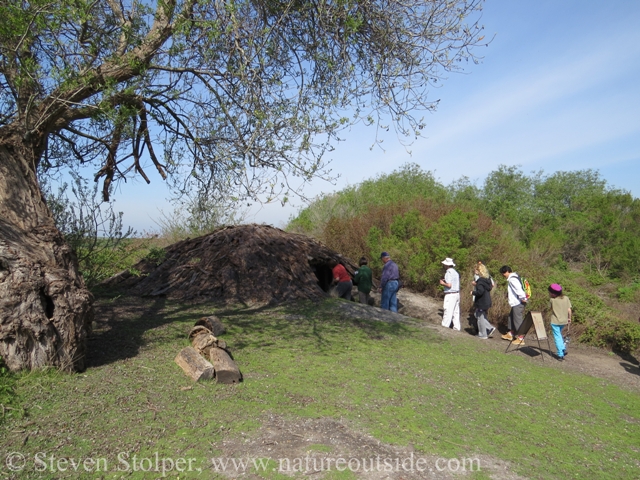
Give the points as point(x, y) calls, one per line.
point(343, 279)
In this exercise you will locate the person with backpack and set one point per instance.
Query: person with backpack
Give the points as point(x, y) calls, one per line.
point(364, 280)
point(517, 298)
point(451, 304)
point(482, 300)
point(560, 317)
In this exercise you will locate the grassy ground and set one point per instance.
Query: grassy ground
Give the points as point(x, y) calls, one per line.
point(400, 383)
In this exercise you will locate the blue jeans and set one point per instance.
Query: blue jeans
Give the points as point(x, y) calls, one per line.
point(557, 337)
point(389, 300)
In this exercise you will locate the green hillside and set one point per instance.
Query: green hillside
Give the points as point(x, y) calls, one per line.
point(567, 227)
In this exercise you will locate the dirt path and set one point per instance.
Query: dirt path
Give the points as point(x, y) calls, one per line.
point(622, 371)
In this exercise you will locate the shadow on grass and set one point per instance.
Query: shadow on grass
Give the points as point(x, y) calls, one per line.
point(533, 351)
point(319, 324)
point(122, 321)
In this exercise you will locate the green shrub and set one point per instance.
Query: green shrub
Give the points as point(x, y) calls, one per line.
point(619, 335)
point(421, 237)
point(546, 245)
point(544, 227)
point(99, 262)
point(403, 185)
point(595, 278)
point(195, 215)
point(156, 255)
point(630, 293)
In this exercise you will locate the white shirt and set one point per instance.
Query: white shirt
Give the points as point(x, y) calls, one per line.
point(452, 277)
point(515, 292)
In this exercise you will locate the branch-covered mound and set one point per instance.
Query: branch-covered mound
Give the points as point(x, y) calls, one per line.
point(243, 263)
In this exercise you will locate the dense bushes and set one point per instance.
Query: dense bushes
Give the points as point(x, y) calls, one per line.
point(614, 333)
point(630, 293)
point(574, 214)
point(568, 228)
point(404, 185)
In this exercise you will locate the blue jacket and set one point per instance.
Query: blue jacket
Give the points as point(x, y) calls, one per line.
point(389, 272)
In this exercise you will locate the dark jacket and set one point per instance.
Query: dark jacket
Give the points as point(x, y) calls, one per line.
point(364, 279)
point(482, 293)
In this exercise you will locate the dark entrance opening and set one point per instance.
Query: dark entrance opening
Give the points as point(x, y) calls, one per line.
point(323, 274)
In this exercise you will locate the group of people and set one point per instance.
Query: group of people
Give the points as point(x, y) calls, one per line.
point(363, 279)
point(559, 304)
point(483, 284)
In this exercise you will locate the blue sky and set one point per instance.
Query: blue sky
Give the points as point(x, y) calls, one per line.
point(558, 89)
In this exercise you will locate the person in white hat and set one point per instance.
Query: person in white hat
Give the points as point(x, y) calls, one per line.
point(451, 305)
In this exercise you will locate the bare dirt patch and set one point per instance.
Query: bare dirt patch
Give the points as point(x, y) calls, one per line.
point(321, 447)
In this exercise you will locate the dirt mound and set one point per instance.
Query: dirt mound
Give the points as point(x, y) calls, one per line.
point(243, 263)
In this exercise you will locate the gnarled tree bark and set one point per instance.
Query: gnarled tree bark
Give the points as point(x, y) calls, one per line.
point(45, 309)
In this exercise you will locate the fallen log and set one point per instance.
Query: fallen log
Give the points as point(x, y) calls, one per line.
point(213, 323)
point(197, 330)
point(194, 365)
point(203, 342)
point(226, 369)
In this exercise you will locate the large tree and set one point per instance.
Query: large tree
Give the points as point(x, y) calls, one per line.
point(243, 94)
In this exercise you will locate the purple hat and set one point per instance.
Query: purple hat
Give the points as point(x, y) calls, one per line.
point(384, 254)
point(555, 288)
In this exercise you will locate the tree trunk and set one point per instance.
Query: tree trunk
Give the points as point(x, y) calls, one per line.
point(45, 309)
